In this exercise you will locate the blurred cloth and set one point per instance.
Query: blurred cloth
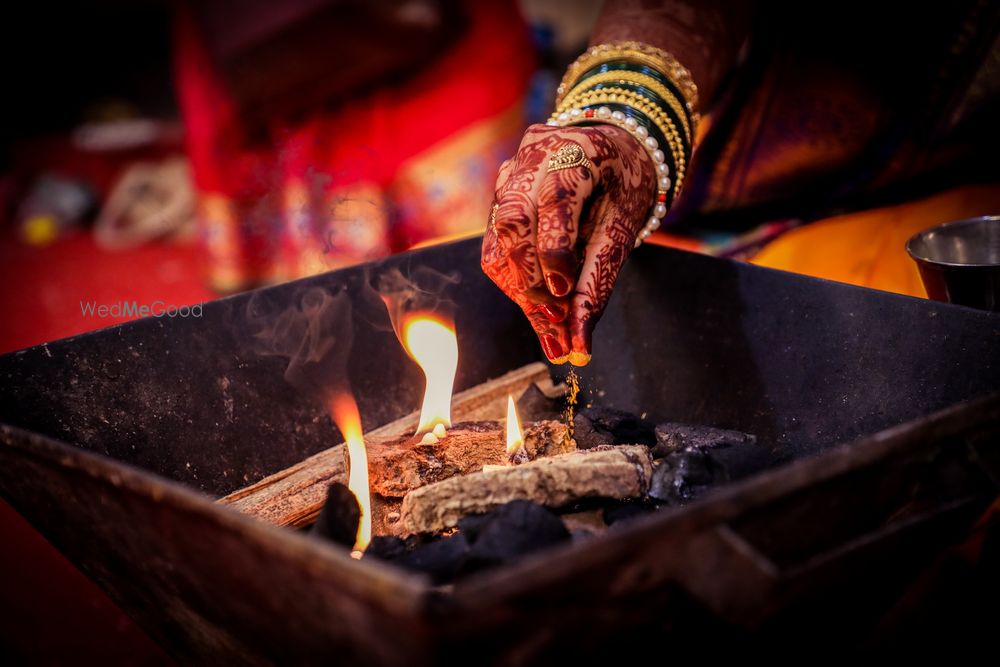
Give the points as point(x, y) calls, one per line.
point(408, 158)
point(841, 106)
point(868, 248)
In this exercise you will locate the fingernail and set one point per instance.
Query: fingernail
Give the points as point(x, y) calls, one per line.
point(552, 348)
point(554, 312)
point(558, 285)
point(581, 339)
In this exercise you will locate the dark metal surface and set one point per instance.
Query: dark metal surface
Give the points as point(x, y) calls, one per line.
point(959, 262)
point(800, 362)
point(193, 401)
point(804, 364)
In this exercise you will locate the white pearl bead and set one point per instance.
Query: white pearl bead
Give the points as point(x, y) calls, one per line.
point(659, 210)
point(618, 115)
point(641, 132)
point(658, 155)
point(630, 123)
point(663, 168)
point(603, 112)
point(664, 182)
point(651, 143)
point(653, 224)
point(645, 233)
point(575, 112)
point(552, 122)
point(563, 116)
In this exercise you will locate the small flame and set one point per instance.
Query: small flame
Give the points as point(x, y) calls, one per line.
point(514, 437)
point(345, 414)
point(432, 343)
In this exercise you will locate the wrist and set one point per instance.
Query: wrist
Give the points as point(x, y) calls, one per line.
point(645, 92)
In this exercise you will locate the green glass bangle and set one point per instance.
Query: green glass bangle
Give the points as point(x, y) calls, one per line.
point(656, 99)
point(621, 65)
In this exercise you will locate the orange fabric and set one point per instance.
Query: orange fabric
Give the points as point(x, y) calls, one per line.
point(868, 248)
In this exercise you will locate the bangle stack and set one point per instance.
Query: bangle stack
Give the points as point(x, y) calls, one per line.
point(646, 92)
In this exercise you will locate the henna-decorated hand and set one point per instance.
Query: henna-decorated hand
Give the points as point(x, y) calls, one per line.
point(557, 240)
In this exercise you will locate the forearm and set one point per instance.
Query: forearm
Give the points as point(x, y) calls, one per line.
point(704, 35)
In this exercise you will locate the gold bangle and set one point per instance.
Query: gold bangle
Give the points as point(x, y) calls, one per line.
point(621, 95)
point(642, 104)
point(666, 179)
point(638, 79)
point(634, 52)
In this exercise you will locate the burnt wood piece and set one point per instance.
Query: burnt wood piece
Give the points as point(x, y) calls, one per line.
point(295, 495)
point(403, 464)
point(338, 520)
point(614, 472)
point(672, 437)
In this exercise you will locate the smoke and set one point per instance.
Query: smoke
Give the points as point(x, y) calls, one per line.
point(314, 333)
point(422, 290)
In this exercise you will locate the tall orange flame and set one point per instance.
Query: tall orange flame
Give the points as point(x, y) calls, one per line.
point(345, 414)
point(514, 437)
point(433, 344)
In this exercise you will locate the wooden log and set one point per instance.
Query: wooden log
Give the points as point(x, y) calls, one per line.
point(400, 465)
point(603, 472)
point(295, 495)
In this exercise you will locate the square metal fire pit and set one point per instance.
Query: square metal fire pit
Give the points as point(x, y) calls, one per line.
point(115, 444)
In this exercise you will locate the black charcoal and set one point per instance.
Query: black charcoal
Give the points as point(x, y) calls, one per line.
point(441, 559)
point(673, 437)
point(683, 476)
point(386, 547)
point(594, 427)
point(509, 532)
point(338, 520)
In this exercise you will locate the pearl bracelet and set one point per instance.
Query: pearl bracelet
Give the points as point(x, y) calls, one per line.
point(665, 186)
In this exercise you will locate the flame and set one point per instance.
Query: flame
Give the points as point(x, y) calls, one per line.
point(345, 414)
point(514, 437)
point(432, 343)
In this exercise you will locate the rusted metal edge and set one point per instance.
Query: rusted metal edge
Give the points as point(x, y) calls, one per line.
point(671, 526)
point(400, 592)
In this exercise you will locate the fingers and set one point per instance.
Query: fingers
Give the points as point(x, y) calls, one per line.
point(510, 259)
point(529, 249)
point(561, 199)
point(608, 248)
point(545, 313)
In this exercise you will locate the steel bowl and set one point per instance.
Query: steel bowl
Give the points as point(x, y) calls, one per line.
point(959, 262)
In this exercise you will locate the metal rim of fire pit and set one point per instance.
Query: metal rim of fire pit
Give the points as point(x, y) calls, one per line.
point(412, 593)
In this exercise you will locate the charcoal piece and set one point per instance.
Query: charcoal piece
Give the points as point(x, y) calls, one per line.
point(534, 406)
point(386, 547)
point(440, 559)
point(593, 427)
point(683, 476)
point(338, 520)
point(673, 437)
point(509, 532)
point(623, 512)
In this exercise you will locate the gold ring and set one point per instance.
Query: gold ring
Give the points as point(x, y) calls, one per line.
point(570, 155)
